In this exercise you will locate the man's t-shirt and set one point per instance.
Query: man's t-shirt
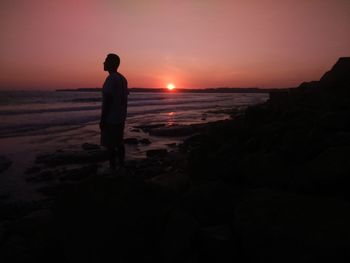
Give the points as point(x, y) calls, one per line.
point(115, 89)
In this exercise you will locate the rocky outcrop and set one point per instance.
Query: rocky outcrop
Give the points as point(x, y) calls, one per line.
point(156, 152)
point(338, 76)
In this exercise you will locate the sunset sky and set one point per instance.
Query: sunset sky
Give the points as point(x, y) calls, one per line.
point(193, 44)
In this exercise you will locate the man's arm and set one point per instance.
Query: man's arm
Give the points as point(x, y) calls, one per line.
point(125, 91)
point(106, 102)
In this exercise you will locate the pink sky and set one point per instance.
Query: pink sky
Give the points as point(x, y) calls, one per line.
point(193, 44)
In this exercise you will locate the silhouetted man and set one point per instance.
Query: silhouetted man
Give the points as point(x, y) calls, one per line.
point(114, 109)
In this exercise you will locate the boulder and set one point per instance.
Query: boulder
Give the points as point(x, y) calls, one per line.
point(90, 146)
point(172, 180)
point(51, 190)
point(70, 157)
point(43, 176)
point(79, 173)
point(131, 141)
point(145, 141)
point(32, 170)
point(156, 153)
point(5, 163)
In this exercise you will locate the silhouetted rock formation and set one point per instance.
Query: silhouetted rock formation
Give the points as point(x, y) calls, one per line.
point(338, 76)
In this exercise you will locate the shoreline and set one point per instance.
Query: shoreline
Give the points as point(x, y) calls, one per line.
point(17, 183)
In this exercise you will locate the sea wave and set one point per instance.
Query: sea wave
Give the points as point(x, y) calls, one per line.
point(95, 107)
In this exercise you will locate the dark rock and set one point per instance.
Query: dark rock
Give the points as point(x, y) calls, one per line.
point(14, 210)
point(30, 239)
point(131, 141)
point(34, 169)
point(5, 163)
point(156, 152)
point(338, 139)
point(44, 176)
point(177, 243)
point(51, 190)
point(145, 141)
point(149, 171)
point(216, 244)
point(3, 232)
point(172, 145)
point(271, 225)
point(90, 146)
point(28, 225)
point(327, 173)
point(335, 121)
point(172, 180)
point(191, 142)
point(135, 130)
point(4, 196)
point(69, 157)
point(209, 203)
point(79, 173)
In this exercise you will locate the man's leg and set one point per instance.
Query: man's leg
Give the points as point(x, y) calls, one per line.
point(112, 157)
point(120, 145)
point(121, 153)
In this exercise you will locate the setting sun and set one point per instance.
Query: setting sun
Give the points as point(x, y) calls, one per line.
point(170, 86)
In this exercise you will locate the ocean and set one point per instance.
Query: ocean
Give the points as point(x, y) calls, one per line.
point(24, 113)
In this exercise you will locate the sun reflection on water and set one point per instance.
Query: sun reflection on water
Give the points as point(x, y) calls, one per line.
point(170, 120)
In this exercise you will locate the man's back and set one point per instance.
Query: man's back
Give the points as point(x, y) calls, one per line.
point(115, 93)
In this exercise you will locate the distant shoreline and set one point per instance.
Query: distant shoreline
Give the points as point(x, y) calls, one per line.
point(208, 90)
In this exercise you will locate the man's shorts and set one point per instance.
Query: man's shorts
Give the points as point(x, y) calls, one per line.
point(112, 135)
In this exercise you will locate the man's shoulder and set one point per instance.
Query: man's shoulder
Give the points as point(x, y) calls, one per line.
point(115, 77)
point(122, 76)
point(112, 77)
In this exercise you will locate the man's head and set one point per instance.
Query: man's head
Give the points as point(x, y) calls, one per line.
point(111, 63)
